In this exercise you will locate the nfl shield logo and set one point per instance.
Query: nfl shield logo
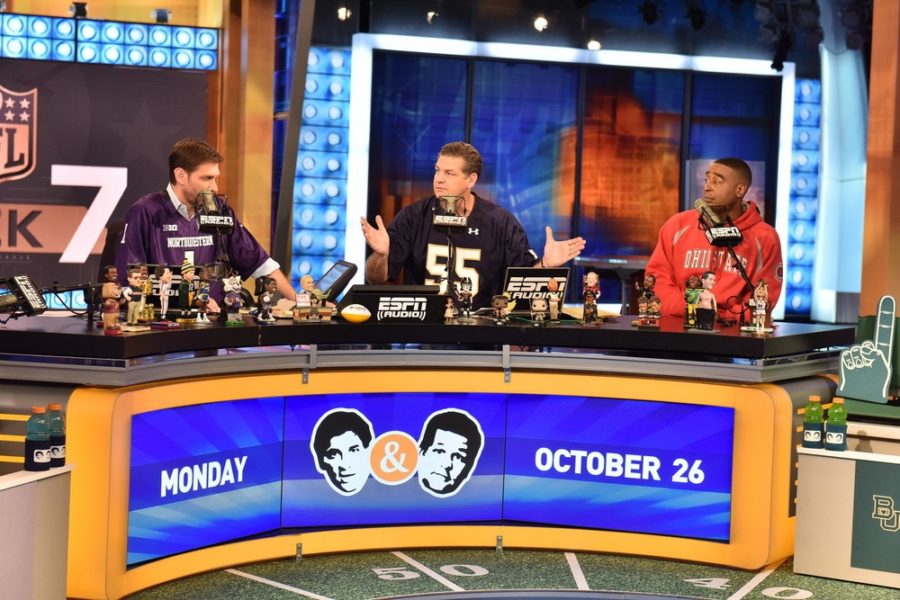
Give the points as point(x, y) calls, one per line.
point(18, 133)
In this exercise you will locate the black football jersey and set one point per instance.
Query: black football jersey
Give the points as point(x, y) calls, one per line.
point(492, 241)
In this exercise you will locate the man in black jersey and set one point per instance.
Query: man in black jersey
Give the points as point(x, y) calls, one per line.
point(492, 240)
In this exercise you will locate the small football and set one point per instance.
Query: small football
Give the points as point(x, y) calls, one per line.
point(356, 313)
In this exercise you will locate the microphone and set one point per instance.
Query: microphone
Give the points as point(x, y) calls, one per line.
point(209, 215)
point(449, 218)
point(22, 296)
point(717, 232)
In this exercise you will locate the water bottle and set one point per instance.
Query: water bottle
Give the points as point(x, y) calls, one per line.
point(836, 430)
point(56, 423)
point(37, 441)
point(813, 423)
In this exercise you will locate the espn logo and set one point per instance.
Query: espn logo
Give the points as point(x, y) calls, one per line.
point(402, 307)
point(527, 288)
point(450, 221)
point(216, 220)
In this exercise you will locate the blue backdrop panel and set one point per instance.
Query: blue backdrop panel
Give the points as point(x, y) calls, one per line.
point(203, 474)
point(567, 463)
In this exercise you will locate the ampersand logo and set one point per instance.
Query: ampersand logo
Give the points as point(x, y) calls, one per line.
point(394, 457)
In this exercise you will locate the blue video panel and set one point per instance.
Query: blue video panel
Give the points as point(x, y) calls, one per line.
point(624, 465)
point(212, 473)
point(327, 483)
point(202, 475)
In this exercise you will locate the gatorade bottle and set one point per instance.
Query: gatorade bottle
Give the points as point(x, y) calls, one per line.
point(813, 423)
point(836, 432)
point(56, 423)
point(37, 441)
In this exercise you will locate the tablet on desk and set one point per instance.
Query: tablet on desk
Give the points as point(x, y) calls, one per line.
point(335, 279)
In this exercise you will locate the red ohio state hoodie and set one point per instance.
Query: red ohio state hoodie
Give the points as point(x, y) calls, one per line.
point(683, 250)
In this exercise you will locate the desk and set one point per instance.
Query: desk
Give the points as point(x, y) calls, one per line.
point(540, 413)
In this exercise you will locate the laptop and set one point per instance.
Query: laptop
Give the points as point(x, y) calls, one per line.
point(525, 283)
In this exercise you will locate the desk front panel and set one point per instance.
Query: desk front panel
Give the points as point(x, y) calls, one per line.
point(174, 478)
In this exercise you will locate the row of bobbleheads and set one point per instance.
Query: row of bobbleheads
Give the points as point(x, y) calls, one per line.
point(459, 310)
point(700, 307)
point(192, 294)
point(192, 297)
point(458, 307)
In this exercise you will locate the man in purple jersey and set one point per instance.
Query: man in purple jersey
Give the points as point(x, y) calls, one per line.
point(491, 241)
point(162, 227)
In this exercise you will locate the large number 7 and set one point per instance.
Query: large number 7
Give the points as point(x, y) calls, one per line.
point(436, 264)
point(112, 182)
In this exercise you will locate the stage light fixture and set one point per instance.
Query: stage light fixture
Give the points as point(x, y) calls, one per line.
point(78, 10)
point(851, 17)
point(161, 15)
point(593, 44)
point(541, 23)
point(431, 15)
point(696, 16)
point(783, 45)
point(649, 11)
point(855, 40)
point(344, 13)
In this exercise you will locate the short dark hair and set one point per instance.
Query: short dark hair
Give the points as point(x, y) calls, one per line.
point(336, 423)
point(467, 152)
point(189, 154)
point(742, 168)
point(706, 274)
point(459, 423)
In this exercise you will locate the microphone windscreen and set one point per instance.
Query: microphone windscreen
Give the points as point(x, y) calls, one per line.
point(704, 209)
point(207, 200)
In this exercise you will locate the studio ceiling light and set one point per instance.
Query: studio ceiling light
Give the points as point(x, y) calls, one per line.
point(78, 10)
point(696, 15)
point(541, 23)
point(160, 15)
point(649, 11)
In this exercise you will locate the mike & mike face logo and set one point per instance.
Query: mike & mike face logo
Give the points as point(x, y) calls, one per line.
point(402, 307)
point(18, 133)
point(445, 456)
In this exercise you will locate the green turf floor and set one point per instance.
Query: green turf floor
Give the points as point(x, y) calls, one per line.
point(389, 574)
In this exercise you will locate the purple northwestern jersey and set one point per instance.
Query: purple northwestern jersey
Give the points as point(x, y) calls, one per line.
point(155, 233)
point(492, 241)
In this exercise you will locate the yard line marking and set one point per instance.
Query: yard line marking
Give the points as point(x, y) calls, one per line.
point(434, 575)
point(757, 579)
point(577, 573)
point(280, 586)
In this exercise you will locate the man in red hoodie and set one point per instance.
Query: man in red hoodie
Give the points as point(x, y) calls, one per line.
point(683, 250)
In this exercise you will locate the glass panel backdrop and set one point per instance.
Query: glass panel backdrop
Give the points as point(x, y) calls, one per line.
point(734, 115)
point(636, 167)
point(630, 163)
point(418, 104)
point(524, 124)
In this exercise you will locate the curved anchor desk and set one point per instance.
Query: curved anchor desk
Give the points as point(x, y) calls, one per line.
point(192, 449)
